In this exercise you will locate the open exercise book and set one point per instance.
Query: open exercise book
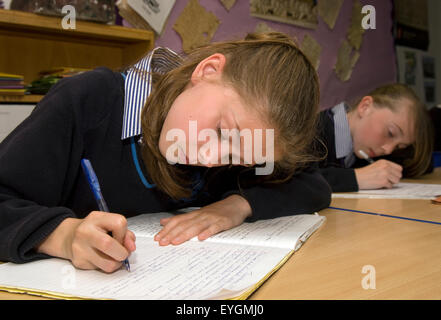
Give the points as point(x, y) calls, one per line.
point(229, 265)
point(399, 191)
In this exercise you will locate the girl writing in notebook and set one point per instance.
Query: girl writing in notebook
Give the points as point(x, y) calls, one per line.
point(161, 137)
point(389, 121)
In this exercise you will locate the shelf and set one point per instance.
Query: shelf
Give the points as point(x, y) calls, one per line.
point(31, 43)
point(49, 24)
point(28, 98)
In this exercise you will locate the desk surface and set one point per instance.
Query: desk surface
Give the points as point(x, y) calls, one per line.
point(404, 254)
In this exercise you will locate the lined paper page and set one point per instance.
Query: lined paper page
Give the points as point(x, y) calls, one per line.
point(193, 270)
point(282, 232)
point(189, 271)
point(146, 225)
point(399, 191)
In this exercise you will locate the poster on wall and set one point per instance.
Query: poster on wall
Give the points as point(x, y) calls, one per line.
point(417, 70)
point(329, 11)
point(302, 13)
point(154, 12)
point(195, 25)
point(5, 4)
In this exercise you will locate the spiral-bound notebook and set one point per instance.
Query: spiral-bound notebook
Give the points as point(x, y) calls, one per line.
point(229, 265)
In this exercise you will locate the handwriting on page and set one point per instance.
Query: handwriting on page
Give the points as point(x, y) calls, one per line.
point(222, 266)
point(399, 191)
point(188, 271)
point(408, 189)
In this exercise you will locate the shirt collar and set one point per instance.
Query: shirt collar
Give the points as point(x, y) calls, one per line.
point(138, 85)
point(343, 139)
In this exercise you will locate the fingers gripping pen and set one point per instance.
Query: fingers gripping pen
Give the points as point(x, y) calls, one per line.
point(96, 189)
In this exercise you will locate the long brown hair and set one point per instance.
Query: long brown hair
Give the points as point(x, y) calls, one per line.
point(267, 68)
point(419, 154)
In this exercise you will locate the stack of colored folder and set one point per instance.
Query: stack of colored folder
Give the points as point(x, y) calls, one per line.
point(11, 84)
point(50, 77)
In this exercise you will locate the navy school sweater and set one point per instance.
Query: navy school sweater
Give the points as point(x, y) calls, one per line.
point(42, 183)
point(343, 179)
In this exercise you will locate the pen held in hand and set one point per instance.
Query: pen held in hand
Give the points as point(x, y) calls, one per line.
point(365, 156)
point(96, 189)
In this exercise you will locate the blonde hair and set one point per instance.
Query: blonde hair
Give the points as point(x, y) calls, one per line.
point(268, 69)
point(391, 96)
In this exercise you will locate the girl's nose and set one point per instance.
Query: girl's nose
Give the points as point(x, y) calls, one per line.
point(389, 148)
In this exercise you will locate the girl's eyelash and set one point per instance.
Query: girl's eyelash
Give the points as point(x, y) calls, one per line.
point(390, 133)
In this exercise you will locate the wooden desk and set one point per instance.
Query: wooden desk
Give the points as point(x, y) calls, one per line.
point(414, 209)
point(406, 255)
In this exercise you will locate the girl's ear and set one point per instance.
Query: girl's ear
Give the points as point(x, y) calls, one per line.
point(210, 68)
point(365, 106)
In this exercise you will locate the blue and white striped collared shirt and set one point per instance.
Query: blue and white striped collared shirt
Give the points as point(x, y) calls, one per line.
point(138, 85)
point(343, 138)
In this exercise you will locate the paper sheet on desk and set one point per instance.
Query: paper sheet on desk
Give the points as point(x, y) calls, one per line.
point(231, 264)
point(399, 191)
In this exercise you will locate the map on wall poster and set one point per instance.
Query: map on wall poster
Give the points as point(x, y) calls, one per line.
point(312, 49)
point(346, 60)
point(356, 31)
point(329, 11)
point(196, 26)
point(153, 11)
point(349, 51)
point(228, 4)
point(301, 13)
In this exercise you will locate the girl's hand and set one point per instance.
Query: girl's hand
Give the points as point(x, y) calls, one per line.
point(205, 222)
point(88, 245)
point(380, 174)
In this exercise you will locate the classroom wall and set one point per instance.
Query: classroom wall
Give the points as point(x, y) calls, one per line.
point(376, 65)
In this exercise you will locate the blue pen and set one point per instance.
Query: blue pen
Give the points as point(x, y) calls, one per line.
point(96, 189)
